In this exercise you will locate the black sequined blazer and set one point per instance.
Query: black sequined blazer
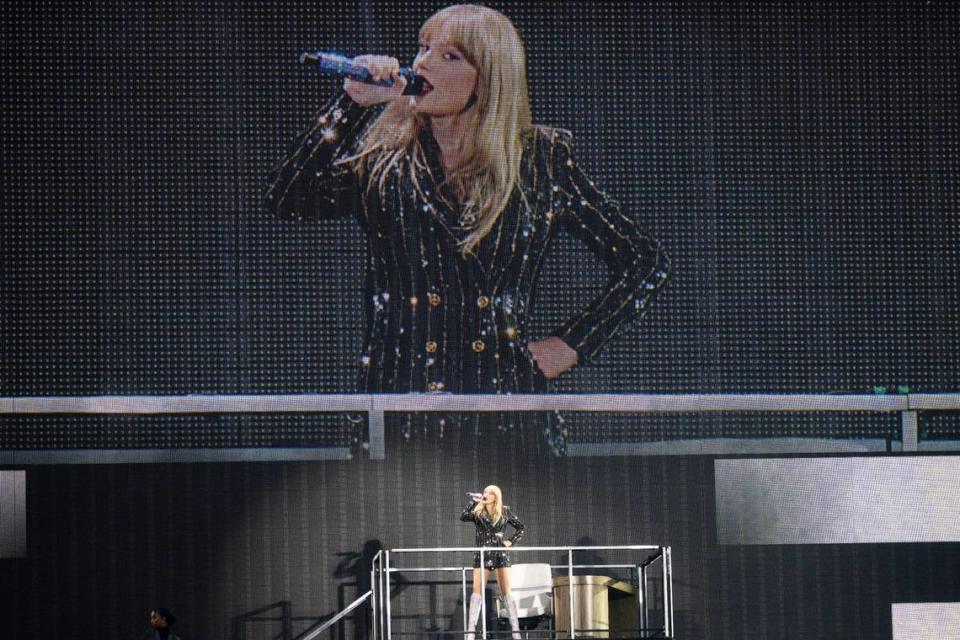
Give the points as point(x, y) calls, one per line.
point(438, 320)
point(490, 534)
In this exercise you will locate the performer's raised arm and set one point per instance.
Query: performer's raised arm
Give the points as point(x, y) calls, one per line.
point(468, 515)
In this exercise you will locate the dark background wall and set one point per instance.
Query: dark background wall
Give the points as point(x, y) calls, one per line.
point(214, 541)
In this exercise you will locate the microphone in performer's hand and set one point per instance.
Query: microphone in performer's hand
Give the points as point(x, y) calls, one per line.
point(475, 496)
point(335, 63)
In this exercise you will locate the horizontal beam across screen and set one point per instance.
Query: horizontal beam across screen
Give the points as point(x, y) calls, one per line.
point(36, 430)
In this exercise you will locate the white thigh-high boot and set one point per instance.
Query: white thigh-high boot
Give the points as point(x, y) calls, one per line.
point(474, 616)
point(511, 601)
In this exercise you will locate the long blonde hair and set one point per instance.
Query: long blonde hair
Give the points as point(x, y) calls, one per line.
point(497, 504)
point(493, 149)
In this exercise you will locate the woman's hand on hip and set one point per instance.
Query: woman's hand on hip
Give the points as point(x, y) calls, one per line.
point(553, 356)
point(380, 68)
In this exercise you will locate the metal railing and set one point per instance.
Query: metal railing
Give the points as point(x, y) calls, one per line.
point(375, 406)
point(313, 633)
point(285, 618)
point(382, 569)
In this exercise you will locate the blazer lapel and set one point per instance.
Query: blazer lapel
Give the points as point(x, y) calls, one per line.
point(439, 203)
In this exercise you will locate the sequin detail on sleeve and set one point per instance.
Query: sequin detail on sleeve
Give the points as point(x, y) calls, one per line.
point(307, 183)
point(637, 266)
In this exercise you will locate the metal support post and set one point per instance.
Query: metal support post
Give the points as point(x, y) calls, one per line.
point(463, 580)
point(669, 587)
point(642, 598)
point(384, 597)
point(666, 598)
point(573, 632)
point(909, 431)
point(387, 591)
point(373, 598)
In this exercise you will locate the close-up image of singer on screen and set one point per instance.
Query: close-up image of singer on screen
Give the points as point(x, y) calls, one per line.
point(461, 198)
point(526, 320)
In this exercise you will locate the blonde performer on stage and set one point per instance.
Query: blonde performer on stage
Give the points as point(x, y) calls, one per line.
point(491, 517)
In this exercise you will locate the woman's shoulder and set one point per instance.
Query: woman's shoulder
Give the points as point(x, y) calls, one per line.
point(550, 144)
point(548, 135)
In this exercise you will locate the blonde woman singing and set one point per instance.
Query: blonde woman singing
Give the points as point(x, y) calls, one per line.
point(460, 198)
point(491, 518)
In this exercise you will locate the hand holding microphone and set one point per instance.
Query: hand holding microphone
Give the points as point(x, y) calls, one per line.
point(368, 79)
point(381, 68)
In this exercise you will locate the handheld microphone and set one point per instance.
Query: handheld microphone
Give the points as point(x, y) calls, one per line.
point(335, 63)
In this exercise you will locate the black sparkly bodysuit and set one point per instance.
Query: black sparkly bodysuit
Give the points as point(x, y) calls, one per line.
point(490, 534)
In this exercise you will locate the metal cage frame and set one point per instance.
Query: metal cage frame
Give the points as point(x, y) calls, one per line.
point(383, 567)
